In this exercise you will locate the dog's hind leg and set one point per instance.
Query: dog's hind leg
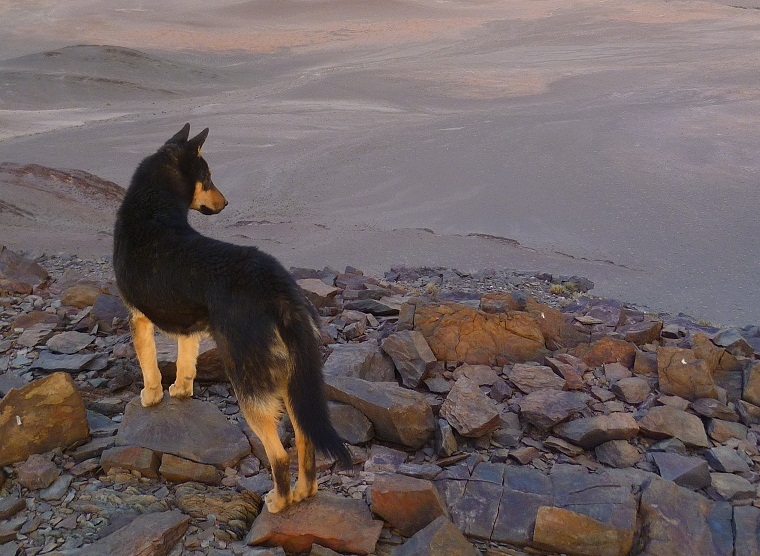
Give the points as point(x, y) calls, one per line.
point(262, 418)
point(306, 485)
point(187, 354)
point(145, 346)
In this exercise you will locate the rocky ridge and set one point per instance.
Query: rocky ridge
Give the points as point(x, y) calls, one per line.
point(489, 412)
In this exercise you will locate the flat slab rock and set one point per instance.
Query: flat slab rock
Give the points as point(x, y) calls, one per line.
point(191, 429)
point(148, 535)
point(338, 523)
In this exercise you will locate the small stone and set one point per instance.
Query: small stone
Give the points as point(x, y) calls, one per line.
point(589, 432)
point(69, 342)
point(408, 504)
point(559, 445)
point(664, 421)
point(524, 455)
point(438, 385)
point(180, 470)
point(382, 459)
point(709, 407)
point(618, 453)
point(616, 371)
point(37, 472)
point(439, 538)
point(58, 489)
point(482, 375)
point(610, 350)
point(546, 408)
point(80, 296)
point(468, 410)
point(105, 309)
point(726, 460)
point(133, 458)
point(529, 378)
point(365, 360)
point(153, 533)
point(633, 390)
point(411, 354)
point(319, 293)
point(445, 441)
point(722, 431)
point(732, 487)
point(685, 471)
point(10, 506)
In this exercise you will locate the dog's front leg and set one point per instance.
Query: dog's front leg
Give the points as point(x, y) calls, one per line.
point(145, 346)
point(187, 354)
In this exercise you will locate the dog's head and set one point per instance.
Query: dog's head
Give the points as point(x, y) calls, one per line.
point(203, 194)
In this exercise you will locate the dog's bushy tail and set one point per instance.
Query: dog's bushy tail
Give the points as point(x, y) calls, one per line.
point(299, 331)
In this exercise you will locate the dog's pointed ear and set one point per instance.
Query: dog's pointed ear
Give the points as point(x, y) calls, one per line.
point(195, 144)
point(181, 136)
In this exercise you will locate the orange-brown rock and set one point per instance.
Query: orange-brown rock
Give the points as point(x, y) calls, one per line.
point(46, 414)
point(461, 333)
point(717, 358)
point(682, 374)
point(80, 295)
point(561, 530)
point(610, 350)
point(407, 503)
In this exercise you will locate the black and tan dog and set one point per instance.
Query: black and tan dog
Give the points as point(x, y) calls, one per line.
point(189, 285)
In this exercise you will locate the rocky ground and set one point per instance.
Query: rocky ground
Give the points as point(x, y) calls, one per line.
point(492, 413)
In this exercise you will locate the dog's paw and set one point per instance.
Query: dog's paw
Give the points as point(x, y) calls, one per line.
point(151, 396)
point(275, 504)
point(302, 492)
point(181, 391)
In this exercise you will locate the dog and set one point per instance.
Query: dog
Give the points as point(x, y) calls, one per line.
point(189, 286)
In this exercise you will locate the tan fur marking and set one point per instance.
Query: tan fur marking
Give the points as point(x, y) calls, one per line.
point(262, 418)
point(278, 349)
point(306, 485)
point(187, 354)
point(145, 346)
point(210, 198)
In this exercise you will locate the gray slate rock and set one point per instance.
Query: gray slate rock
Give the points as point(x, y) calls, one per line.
point(469, 410)
point(685, 471)
point(746, 526)
point(350, 423)
point(439, 538)
point(366, 361)
point(191, 429)
point(69, 342)
point(665, 421)
point(546, 407)
point(726, 460)
point(51, 362)
point(529, 378)
point(589, 432)
point(411, 354)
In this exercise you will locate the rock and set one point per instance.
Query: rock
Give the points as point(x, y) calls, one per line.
point(382, 459)
point(545, 408)
point(366, 361)
point(524, 455)
point(726, 460)
point(685, 471)
point(746, 527)
point(445, 441)
point(525, 491)
point(190, 429)
point(751, 392)
point(559, 445)
point(235, 510)
point(35, 318)
point(708, 407)
point(589, 432)
point(610, 350)
point(645, 363)
point(717, 358)
point(14, 266)
point(633, 390)
point(37, 472)
point(80, 296)
point(439, 538)
point(439, 385)
point(398, 415)
point(147, 535)
point(43, 415)
point(58, 489)
point(337, 523)
point(51, 362)
point(482, 375)
point(406, 503)
point(573, 377)
point(615, 372)
point(457, 332)
point(749, 414)
point(562, 530)
point(675, 517)
point(733, 488)
point(34, 336)
point(181, 470)
point(384, 307)
point(319, 293)
point(350, 423)
point(640, 333)
point(664, 421)
point(475, 511)
point(617, 453)
point(469, 410)
point(132, 458)
point(105, 309)
point(69, 342)
point(734, 342)
point(682, 374)
point(10, 380)
point(11, 505)
point(722, 431)
point(411, 355)
point(529, 378)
